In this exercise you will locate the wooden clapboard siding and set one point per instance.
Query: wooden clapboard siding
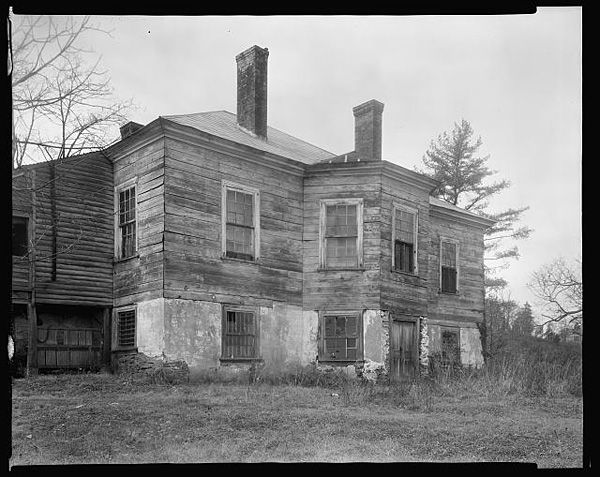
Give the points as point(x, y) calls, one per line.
point(22, 182)
point(142, 276)
point(467, 305)
point(404, 292)
point(194, 266)
point(342, 289)
point(80, 272)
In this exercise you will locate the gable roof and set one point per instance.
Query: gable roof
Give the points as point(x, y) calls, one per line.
point(224, 125)
point(453, 209)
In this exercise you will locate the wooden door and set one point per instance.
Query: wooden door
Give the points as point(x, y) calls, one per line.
point(403, 349)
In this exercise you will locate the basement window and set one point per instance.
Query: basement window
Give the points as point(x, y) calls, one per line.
point(341, 230)
point(448, 266)
point(450, 346)
point(126, 328)
point(404, 239)
point(19, 236)
point(241, 222)
point(340, 337)
point(239, 334)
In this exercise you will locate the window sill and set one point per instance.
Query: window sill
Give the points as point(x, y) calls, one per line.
point(341, 362)
point(239, 260)
point(126, 259)
point(454, 293)
point(240, 360)
point(341, 269)
point(407, 274)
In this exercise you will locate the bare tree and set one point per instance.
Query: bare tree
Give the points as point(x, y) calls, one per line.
point(559, 287)
point(62, 104)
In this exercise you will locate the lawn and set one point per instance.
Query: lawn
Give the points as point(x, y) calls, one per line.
point(103, 419)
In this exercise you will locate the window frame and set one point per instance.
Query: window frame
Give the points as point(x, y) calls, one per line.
point(27, 221)
point(256, 324)
point(323, 204)
point(323, 315)
point(455, 330)
point(117, 346)
point(457, 268)
point(129, 184)
point(415, 212)
point(233, 186)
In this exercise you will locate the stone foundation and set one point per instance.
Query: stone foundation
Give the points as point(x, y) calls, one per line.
point(154, 369)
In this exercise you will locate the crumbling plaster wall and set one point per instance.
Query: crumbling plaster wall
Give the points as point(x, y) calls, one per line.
point(192, 332)
point(150, 327)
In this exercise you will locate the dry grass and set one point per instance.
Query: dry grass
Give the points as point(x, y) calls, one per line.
point(99, 418)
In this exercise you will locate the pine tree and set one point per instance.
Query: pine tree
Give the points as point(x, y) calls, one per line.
point(463, 176)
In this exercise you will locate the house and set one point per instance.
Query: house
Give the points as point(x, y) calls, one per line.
point(218, 240)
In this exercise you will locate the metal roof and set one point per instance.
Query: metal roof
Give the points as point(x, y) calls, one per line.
point(224, 125)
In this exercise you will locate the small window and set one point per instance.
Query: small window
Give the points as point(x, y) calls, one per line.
point(405, 240)
point(127, 222)
point(240, 334)
point(19, 236)
point(450, 346)
point(449, 267)
point(126, 329)
point(341, 229)
point(341, 338)
point(240, 222)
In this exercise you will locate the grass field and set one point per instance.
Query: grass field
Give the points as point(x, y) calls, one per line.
point(102, 418)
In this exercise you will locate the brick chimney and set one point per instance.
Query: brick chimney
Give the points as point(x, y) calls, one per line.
point(129, 128)
point(252, 90)
point(367, 130)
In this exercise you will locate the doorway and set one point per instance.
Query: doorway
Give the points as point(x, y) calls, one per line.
point(403, 349)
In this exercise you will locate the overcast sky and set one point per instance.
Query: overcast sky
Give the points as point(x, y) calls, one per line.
point(515, 78)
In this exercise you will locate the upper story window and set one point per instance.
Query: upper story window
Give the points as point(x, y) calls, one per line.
point(340, 337)
point(341, 230)
point(404, 240)
point(126, 236)
point(20, 236)
point(241, 222)
point(448, 266)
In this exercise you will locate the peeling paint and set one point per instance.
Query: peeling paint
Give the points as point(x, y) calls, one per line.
point(471, 353)
point(193, 332)
point(151, 327)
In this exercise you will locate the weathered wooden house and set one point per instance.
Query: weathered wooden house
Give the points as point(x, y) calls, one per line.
point(216, 239)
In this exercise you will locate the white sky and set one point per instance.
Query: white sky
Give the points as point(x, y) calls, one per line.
point(515, 78)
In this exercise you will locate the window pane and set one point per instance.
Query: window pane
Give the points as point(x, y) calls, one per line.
point(340, 339)
point(126, 328)
point(341, 252)
point(19, 236)
point(448, 279)
point(449, 254)
point(405, 223)
point(238, 335)
point(403, 256)
point(240, 208)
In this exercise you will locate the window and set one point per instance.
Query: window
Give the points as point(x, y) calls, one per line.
point(125, 329)
point(126, 237)
point(450, 346)
point(239, 334)
point(341, 337)
point(341, 233)
point(404, 239)
point(241, 218)
point(19, 236)
point(449, 266)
